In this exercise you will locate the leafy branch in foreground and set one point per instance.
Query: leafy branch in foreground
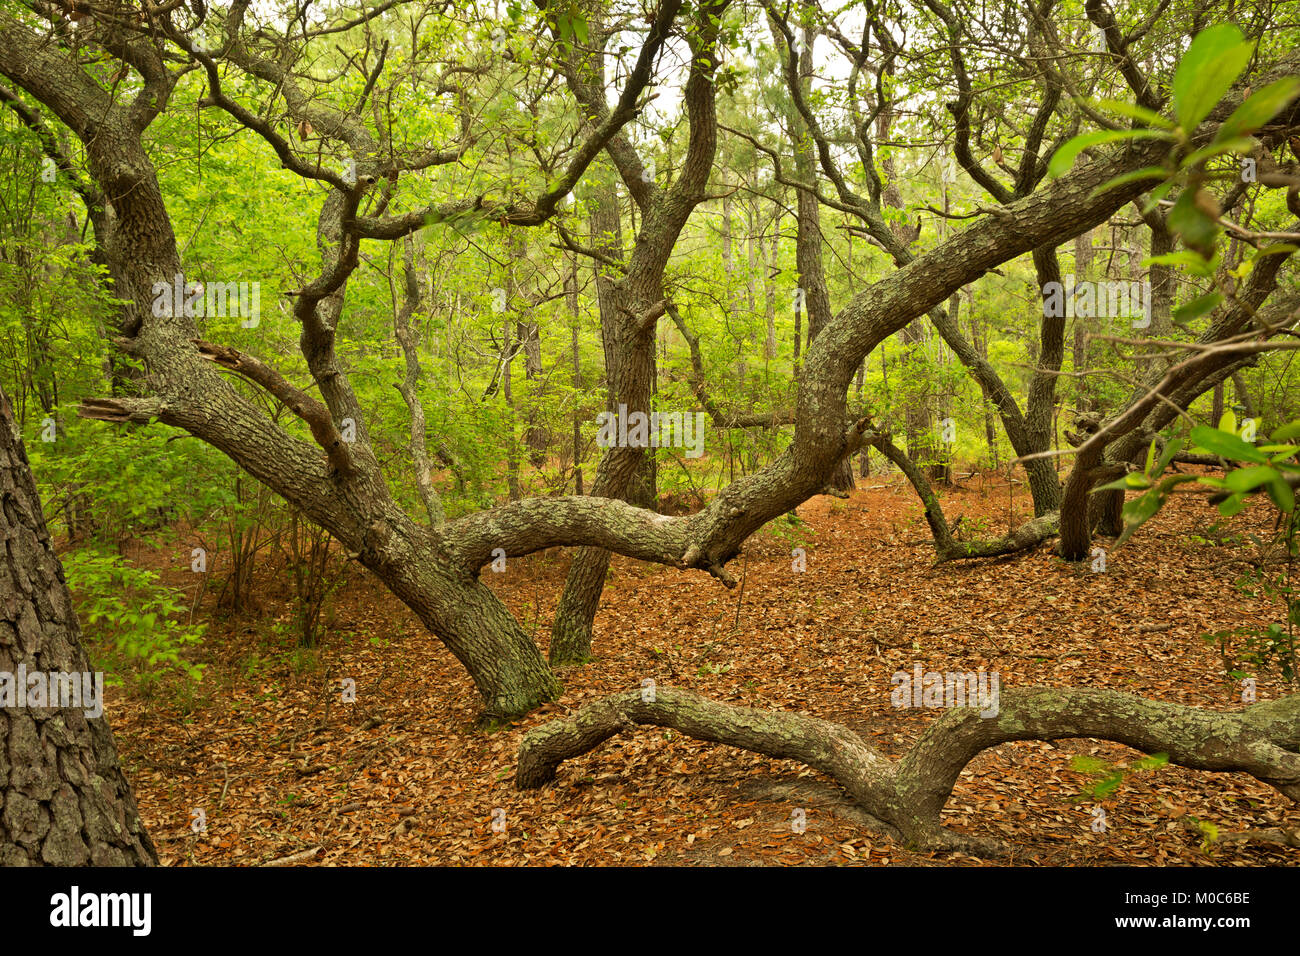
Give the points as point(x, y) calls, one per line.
point(1271, 467)
point(1213, 62)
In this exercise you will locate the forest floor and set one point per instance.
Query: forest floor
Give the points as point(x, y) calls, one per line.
point(279, 766)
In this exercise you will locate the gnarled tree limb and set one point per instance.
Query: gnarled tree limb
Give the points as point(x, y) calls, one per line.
point(909, 794)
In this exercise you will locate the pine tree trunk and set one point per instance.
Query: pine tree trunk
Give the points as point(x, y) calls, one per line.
point(571, 296)
point(64, 800)
point(769, 288)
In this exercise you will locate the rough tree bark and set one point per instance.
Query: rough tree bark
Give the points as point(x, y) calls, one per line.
point(1108, 451)
point(629, 365)
point(630, 306)
point(815, 298)
point(64, 800)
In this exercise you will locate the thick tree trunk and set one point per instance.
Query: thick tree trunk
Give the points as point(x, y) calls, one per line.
point(625, 473)
point(1163, 279)
point(339, 483)
point(808, 256)
point(1040, 406)
point(1243, 395)
point(1083, 258)
point(630, 308)
point(342, 490)
point(64, 800)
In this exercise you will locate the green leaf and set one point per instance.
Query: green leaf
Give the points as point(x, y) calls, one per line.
point(1086, 764)
point(1146, 172)
point(1277, 249)
point(1133, 111)
point(1151, 457)
point(1069, 150)
point(1282, 495)
point(1196, 308)
point(1182, 259)
point(1151, 761)
point(1158, 194)
point(1226, 445)
point(1238, 144)
point(1259, 108)
point(1286, 432)
point(1172, 482)
point(1228, 422)
point(1172, 448)
point(1244, 479)
point(1232, 505)
point(1108, 786)
point(1136, 513)
point(1188, 220)
point(1208, 68)
point(1119, 484)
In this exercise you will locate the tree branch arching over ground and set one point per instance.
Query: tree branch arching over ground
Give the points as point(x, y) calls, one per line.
point(906, 796)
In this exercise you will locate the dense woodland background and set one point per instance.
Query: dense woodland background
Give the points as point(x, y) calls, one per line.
point(471, 229)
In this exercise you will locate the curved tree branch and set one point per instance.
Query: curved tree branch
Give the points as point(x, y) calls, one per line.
point(908, 795)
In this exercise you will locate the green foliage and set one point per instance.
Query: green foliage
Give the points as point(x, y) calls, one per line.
point(1268, 645)
point(1269, 466)
point(1265, 646)
point(1209, 832)
point(143, 632)
point(1207, 70)
point(1110, 776)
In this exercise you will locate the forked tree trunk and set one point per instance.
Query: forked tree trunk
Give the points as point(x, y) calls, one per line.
point(630, 307)
point(64, 800)
point(626, 473)
point(808, 255)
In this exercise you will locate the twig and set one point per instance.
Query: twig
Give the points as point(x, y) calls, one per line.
point(293, 858)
